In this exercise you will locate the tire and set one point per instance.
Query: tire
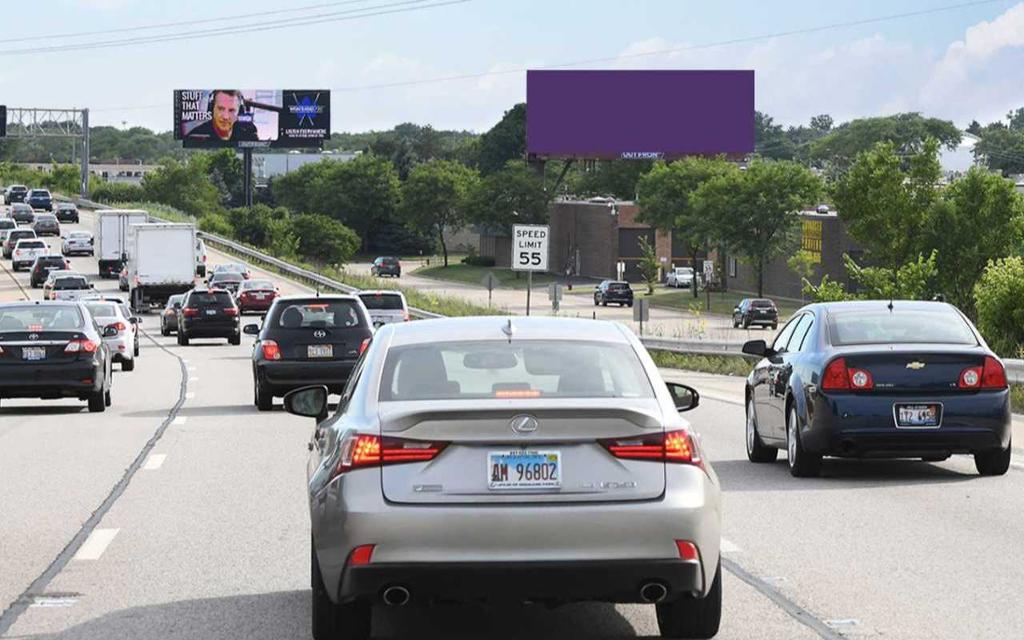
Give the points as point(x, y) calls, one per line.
point(757, 451)
point(735, 325)
point(107, 401)
point(335, 621)
point(264, 400)
point(97, 402)
point(693, 617)
point(604, 303)
point(164, 331)
point(182, 339)
point(802, 463)
point(128, 365)
point(135, 350)
point(595, 301)
point(775, 326)
point(993, 463)
point(746, 323)
point(235, 340)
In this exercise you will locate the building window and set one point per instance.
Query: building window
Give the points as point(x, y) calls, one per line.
point(732, 267)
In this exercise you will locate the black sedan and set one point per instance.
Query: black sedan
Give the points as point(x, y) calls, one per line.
point(614, 292)
point(53, 350)
point(208, 313)
point(307, 341)
point(878, 380)
point(66, 212)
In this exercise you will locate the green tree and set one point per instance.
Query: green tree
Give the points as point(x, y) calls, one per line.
point(885, 200)
point(513, 195)
point(979, 219)
point(435, 197)
point(184, 186)
point(227, 173)
point(770, 140)
point(914, 280)
point(756, 212)
point(615, 178)
point(1001, 148)
point(504, 141)
point(828, 290)
point(907, 132)
point(1015, 119)
point(999, 299)
point(648, 264)
point(667, 201)
point(802, 263)
point(822, 123)
point(324, 240)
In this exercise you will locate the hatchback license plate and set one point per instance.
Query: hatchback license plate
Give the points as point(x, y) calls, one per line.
point(524, 470)
point(918, 415)
point(320, 351)
point(33, 353)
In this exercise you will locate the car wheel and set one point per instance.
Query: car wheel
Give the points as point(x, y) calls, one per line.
point(97, 402)
point(106, 398)
point(775, 326)
point(993, 463)
point(235, 340)
point(336, 621)
point(746, 323)
point(802, 463)
point(757, 451)
point(629, 304)
point(182, 339)
point(264, 399)
point(164, 331)
point(128, 365)
point(596, 301)
point(693, 617)
point(604, 303)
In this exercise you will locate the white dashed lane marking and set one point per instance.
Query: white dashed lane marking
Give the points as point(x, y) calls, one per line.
point(728, 547)
point(154, 461)
point(179, 420)
point(96, 544)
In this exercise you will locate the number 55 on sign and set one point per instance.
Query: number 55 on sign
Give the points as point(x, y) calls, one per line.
point(530, 243)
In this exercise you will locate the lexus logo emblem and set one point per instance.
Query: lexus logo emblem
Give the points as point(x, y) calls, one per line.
point(319, 333)
point(33, 336)
point(523, 424)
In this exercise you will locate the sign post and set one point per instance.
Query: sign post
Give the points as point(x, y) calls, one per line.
point(709, 274)
point(490, 281)
point(555, 295)
point(530, 246)
point(642, 312)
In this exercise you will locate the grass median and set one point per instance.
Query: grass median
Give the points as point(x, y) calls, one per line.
point(474, 276)
point(721, 365)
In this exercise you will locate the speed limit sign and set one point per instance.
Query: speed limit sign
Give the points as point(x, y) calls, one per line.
point(530, 244)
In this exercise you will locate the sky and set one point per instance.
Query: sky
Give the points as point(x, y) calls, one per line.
point(960, 64)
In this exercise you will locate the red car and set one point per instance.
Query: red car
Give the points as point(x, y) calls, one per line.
point(255, 295)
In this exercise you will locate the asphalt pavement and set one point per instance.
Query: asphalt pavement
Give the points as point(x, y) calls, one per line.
point(181, 513)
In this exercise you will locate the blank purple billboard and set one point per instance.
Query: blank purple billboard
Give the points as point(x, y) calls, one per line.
point(639, 114)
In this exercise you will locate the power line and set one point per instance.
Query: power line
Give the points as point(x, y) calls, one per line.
point(365, 12)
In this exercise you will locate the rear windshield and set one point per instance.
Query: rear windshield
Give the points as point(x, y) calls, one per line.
point(66, 205)
point(226, 277)
point(7, 223)
point(40, 192)
point(209, 299)
point(382, 301)
point(83, 235)
point(50, 260)
point(31, 244)
point(337, 314)
point(763, 304)
point(20, 206)
point(49, 317)
point(388, 261)
point(618, 286)
point(230, 268)
point(102, 309)
point(258, 284)
point(71, 283)
point(46, 218)
point(524, 369)
point(18, 234)
point(935, 326)
point(175, 300)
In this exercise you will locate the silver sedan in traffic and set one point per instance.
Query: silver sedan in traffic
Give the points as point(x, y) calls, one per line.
point(521, 460)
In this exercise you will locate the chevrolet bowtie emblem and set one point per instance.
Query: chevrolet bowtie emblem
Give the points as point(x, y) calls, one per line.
point(915, 365)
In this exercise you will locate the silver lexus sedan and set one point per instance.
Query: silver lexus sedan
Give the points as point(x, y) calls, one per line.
point(495, 459)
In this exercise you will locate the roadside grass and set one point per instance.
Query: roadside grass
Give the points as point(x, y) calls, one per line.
point(1017, 398)
point(721, 365)
point(474, 275)
point(722, 302)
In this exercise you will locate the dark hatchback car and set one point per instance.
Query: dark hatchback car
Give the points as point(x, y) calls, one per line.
point(15, 193)
point(66, 212)
point(42, 267)
point(614, 292)
point(227, 280)
point(22, 213)
point(45, 224)
point(386, 266)
point(39, 199)
point(863, 380)
point(53, 350)
point(208, 313)
point(169, 317)
point(759, 311)
point(307, 341)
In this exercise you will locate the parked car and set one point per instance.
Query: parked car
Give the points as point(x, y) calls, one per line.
point(117, 330)
point(39, 199)
point(78, 243)
point(386, 266)
point(53, 350)
point(15, 193)
point(13, 236)
point(208, 313)
point(22, 213)
point(169, 317)
point(385, 306)
point(682, 277)
point(759, 311)
point(613, 291)
point(464, 464)
point(307, 340)
point(45, 224)
point(255, 295)
point(66, 212)
point(42, 267)
point(69, 286)
point(878, 380)
point(26, 251)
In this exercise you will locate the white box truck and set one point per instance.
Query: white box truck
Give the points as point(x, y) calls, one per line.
point(161, 262)
point(112, 229)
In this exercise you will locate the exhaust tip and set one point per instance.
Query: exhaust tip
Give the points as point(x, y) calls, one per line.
point(653, 592)
point(396, 596)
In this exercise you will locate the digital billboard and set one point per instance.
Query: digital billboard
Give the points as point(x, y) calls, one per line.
point(639, 114)
point(252, 118)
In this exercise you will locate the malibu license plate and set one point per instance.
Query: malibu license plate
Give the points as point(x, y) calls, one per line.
point(320, 351)
point(918, 415)
point(524, 470)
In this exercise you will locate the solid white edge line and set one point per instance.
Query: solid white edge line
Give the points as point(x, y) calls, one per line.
point(154, 461)
point(96, 544)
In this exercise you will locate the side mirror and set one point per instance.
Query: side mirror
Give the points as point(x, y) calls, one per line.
point(757, 348)
point(308, 402)
point(251, 329)
point(109, 332)
point(92, 286)
point(135, 320)
point(683, 397)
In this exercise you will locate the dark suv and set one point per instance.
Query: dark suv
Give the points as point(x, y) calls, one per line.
point(39, 199)
point(42, 267)
point(386, 266)
point(208, 313)
point(615, 292)
point(307, 341)
point(750, 311)
point(67, 212)
point(15, 193)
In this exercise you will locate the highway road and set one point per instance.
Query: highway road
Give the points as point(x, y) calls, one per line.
point(180, 513)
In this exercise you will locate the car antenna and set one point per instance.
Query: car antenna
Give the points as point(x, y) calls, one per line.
point(508, 330)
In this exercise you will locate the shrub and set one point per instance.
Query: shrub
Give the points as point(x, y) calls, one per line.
point(216, 224)
point(478, 261)
point(999, 299)
point(116, 192)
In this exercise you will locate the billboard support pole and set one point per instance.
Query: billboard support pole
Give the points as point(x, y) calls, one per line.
point(85, 153)
point(247, 176)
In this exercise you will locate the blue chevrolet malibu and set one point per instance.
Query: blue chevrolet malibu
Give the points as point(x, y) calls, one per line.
point(877, 379)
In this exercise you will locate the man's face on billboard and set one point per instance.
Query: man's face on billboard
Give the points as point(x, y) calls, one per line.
point(225, 112)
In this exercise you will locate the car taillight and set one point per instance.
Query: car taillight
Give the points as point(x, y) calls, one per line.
point(271, 350)
point(687, 551)
point(839, 377)
point(360, 450)
point(120, 326)
point(993, 376)
point(361, 555)
point(363, 345)
point(860, 379)
point(81, 345)
point(189, 312)
point(405, 316)
point(671, 446)
point(2, 352)
point(231, 311)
